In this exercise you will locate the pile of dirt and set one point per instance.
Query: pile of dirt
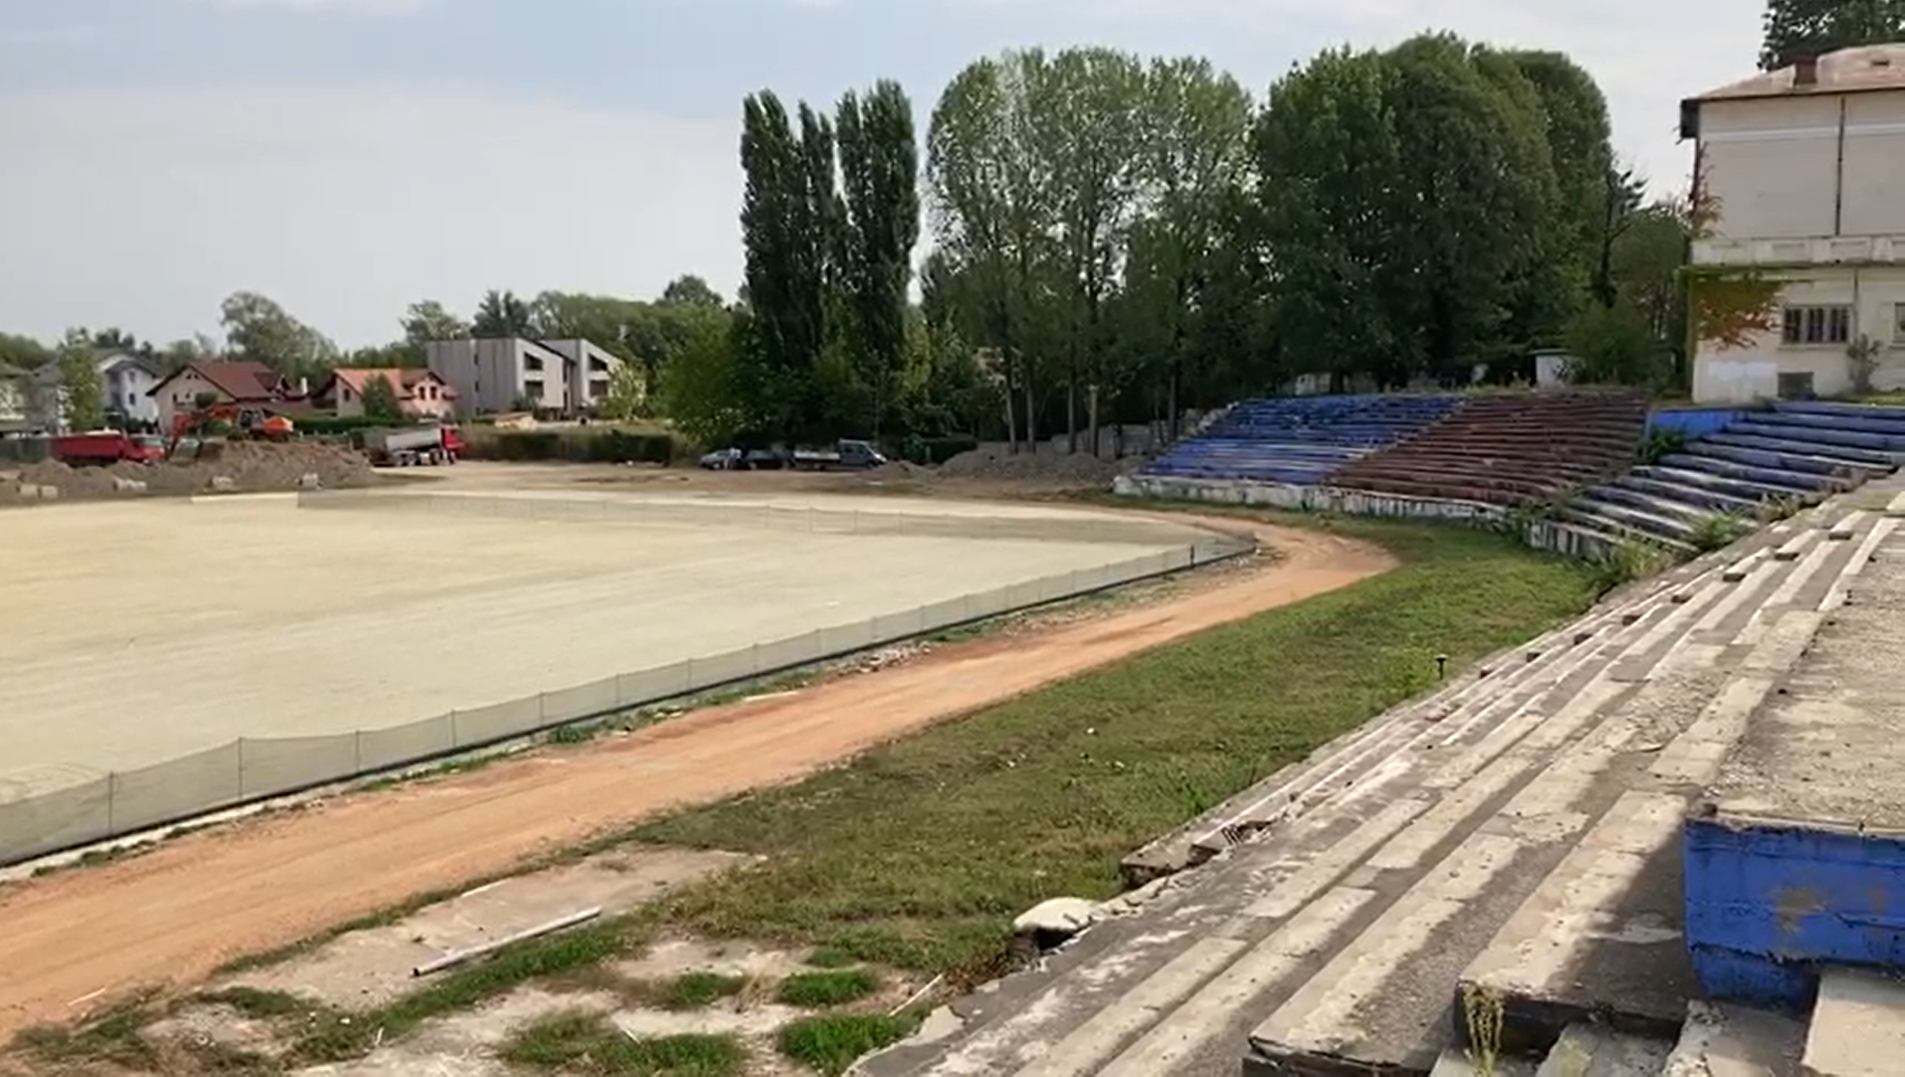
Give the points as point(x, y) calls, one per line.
point(239, 466)
point(1040, 467)
point(900, 471)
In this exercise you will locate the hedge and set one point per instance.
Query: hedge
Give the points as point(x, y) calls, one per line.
point(596, 445)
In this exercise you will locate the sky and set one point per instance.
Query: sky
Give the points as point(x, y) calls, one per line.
point(349, 157)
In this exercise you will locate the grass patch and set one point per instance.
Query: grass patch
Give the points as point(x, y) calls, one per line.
point(577, 1041)
point(835, 987)
point(253, 1002)
point(830, 957)
point(112, 1036)
point(918, 854)
point(830, 1044)
point(338, 1036)
point(694, 990)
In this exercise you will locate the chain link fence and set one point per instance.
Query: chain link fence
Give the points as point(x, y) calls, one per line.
point(256, 768)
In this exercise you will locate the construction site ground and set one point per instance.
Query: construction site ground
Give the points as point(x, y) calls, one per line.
point(166, 627)
point(178, 911)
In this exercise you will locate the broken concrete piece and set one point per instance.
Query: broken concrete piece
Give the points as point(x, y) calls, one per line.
point(1053, 921)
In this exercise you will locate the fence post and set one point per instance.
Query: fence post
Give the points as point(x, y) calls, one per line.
point(112, 802)
point(456, 734)
point(357, 750)
point(542, 708)
point(241, 768)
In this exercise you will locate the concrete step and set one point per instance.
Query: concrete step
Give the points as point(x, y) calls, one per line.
point(1879, 412)
point(1788, 481)
point(1744, 489)
point(1872, 422)
point(1602, 937)
point(1824, 434)
point(1719, 1040)
point(1590, 506)
point(1689, 494)
point(1689, 511)
point(1586, 517)
point(1858, 1026)
point(1793, 457)
point(1865, 458)
point(1339, 765)
point(1592, 1050)
point(1508, 825)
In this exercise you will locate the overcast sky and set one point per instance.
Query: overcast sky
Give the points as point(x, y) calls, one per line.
point(347, 157)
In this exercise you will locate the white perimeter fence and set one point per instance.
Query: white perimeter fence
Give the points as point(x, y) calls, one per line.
point(256, 768)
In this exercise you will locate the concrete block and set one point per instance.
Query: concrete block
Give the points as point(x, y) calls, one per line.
point(49, 493)
point(1719, 1040)
point(1846, 526)
point(29, 491)
point(224, 483)
point(1591, 1050)
point(310, 480)
point(1858, 1027)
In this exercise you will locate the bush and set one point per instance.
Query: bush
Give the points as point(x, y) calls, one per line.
point(593, 445)
point(333, 425)
point(932, 452)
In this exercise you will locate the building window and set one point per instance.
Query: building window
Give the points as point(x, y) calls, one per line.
point(1898, 323)
point(1795, 385)
point(1816, 325)
point(530, 362)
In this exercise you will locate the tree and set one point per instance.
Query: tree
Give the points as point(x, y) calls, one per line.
point(690, 290)
point(628, 394)
point(1326, 151)
point(994, 214)
point(428, 321)
point(790, 215)
point(260, 330)
point(500, 314)
point(879, 166)
point(82, 395)
point(23, 352)
point(710, 390)
point(1797, 29)
point(380, 400)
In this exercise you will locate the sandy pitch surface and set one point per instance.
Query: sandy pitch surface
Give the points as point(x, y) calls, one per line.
point(177, 912)
point(161, 629)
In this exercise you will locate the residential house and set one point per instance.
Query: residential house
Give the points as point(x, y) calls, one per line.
point(1805, 168)
point(246, 383)
point(127, 381)
point(565, 377)
point(15, 389)
point(421, 394)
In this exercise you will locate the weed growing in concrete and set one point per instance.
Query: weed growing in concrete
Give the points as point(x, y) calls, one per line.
point(830, 1045)
point(1627, 562)
point(577, 1041)
point(818, 990)
point(1780, 507)
point(1482, 1014)
point(1719, 530)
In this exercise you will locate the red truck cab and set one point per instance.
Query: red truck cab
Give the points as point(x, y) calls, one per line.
point(104, 447)
point(452, 443)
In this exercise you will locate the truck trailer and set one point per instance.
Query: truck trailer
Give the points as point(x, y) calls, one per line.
point(412, 445)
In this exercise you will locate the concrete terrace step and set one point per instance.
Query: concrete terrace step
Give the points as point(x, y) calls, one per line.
point(1588, 508)
point(1794, 458)
point(1858, 1026)
point(1720, 1040)
point(1825, 435)
point(1602, 936)
point(1671, 508)
point(1589, 518)
point(1364, 1010)
point(1871, 459)
point(1743, 489)
point(1873, 423)
point(1786, 481)
point(1688, 494)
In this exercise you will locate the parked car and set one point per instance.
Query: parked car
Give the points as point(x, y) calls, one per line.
point(722, 460)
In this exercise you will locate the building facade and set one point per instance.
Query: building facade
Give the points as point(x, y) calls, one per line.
point(421, 394)
point(244, 383)
point(563, 377)
point(127, 382)
point(1804, 169)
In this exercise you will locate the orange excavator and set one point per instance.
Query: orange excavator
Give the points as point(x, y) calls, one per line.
point(244, 422)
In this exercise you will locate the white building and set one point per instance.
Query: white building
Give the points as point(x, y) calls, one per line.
point(567, 377)
point(127, 381)
point(1806, 169)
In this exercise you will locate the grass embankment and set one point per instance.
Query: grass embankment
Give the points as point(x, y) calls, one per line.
point(919, 854)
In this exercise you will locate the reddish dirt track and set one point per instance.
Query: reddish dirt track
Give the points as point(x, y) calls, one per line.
point(177, 912)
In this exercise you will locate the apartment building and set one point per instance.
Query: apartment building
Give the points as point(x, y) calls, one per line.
point(1806, 168)
point(564, 377)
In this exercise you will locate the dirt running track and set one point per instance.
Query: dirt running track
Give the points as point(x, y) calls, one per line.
point(180, 910)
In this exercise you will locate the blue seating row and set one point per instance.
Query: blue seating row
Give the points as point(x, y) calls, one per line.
point(1299, 440)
